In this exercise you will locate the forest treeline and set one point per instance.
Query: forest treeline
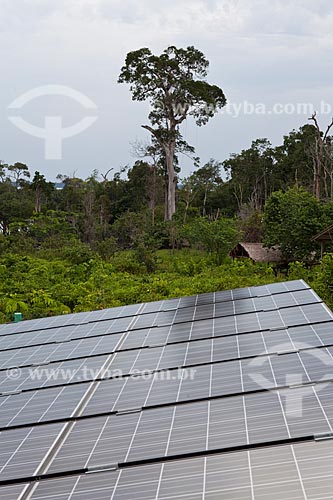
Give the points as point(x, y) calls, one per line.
point(248, 192)
point(147, 232)
point(84, 244)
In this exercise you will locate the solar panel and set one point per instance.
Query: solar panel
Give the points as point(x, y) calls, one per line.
point(211, 379)
point(22, 450)
point(226, 326)
point(60, 373)
point(81, 319)
point(290, 472)
point(40, 406)
point(225, 394)
point(180, 430)
point(47, 353)
point(13, 492)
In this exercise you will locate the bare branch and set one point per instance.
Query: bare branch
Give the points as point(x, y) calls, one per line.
point(155, 134)
point(314, 119)
point(105, 176)
point(328, 130)
point(139, 149)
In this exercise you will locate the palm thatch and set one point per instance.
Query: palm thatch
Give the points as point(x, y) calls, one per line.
point(325, 238)
point(256, 252)
point(326, 235)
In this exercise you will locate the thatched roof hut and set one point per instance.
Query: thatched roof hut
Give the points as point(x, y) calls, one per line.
point(324, 237)
point(256, 252)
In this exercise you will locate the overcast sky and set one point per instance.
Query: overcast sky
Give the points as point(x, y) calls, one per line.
point(260, 51)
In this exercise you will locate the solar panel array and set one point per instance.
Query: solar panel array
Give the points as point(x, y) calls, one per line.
point(220, 395)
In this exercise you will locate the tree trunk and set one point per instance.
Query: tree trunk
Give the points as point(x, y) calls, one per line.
point(204, 202)
point(172, 180)
point(89, 221)
point(186, 210)
point(166, 196)
point(319, 154)
point(152, 192)
point(38, 200)
point(169, 147)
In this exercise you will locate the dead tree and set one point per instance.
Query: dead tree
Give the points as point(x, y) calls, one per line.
point(319, 154)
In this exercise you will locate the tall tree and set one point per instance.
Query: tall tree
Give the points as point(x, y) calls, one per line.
point(291, 218)
point(251, 174)
point(320, 154)
point(156, 154)
point(42, 189)
point(294, 164)
point(16, 173)
point(15, 196)
point(174, 84)
point(206, 179)
point(145, 187)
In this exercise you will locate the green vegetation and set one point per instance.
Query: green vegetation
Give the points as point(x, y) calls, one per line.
point(147, 233)
point(291, 218)
point(43, 286)
point(174, 84)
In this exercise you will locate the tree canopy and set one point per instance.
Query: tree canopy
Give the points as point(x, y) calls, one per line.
point(174, 84)
point(291, 218)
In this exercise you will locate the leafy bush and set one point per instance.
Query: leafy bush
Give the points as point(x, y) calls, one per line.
point(217, 237)
point(290, 221)
point(39, 287)
point(78, 253)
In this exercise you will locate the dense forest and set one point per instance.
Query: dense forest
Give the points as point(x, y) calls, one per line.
point(101, 242)
point(146, 232)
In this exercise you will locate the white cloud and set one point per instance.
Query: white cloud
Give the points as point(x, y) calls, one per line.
point(259, 49)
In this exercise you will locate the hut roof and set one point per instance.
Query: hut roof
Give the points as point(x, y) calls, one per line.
point(257, 252)
point(325, 235)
